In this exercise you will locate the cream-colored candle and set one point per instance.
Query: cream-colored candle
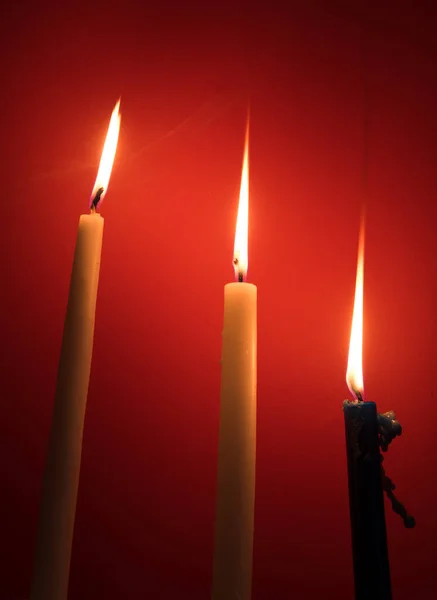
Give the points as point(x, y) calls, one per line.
point(61, 476)
point(233, 547)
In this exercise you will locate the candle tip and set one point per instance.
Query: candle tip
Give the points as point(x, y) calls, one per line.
point(95, 201)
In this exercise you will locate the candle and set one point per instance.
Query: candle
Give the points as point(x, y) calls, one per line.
point(61, 476)
point(232, 569)
point(366, 501)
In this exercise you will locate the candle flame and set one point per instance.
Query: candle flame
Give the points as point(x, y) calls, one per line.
point(354, 373)
point(241, 230)
point(107, 159)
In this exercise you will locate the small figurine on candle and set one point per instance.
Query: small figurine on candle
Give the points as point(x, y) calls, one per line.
point(389, 428)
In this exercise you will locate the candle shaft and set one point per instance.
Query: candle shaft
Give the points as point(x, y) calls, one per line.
point(61, 476)
point(366, 500)
point(232, 570)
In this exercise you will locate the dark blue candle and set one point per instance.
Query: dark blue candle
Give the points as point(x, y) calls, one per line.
point(366, 500)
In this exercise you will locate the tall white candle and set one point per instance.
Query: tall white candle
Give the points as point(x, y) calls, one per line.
point(233, 548)
point(61, 476)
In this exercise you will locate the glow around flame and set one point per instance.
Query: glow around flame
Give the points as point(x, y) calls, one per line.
point(108, 154)
point(241, 230)
point(354, 373)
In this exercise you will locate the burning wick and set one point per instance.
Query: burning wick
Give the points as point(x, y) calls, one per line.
point(240, 273)
point(358, 396)
point(96, 199)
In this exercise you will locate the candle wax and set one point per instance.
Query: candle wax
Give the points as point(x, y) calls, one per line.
point(61, 476)
point(366, 501)
point(232, 572)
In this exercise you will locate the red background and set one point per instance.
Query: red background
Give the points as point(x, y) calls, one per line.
point(144, 523)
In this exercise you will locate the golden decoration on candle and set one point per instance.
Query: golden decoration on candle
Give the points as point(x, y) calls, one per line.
point(107, 159)
point(354, 373)
point(241, 231)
